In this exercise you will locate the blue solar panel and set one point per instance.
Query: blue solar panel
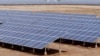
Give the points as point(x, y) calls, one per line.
point(67, 28)
point(37, 31)
point(57, 19)
point(30, 15)
point(70, 32)
point(19, 38)
point(42, 13)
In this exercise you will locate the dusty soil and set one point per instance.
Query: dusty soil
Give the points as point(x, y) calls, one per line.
point(83, 9)
point(69, 50)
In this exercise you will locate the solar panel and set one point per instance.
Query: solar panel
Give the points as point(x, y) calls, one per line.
point(68, 31)
point(47, 18)
point(42, 13)
point(67, 20)
point(19, 38)
point(36, 30)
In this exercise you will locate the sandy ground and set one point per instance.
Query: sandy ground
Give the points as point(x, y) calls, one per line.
point(83, 9)
point(69, 50)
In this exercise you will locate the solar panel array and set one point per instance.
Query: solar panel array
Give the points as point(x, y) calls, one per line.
point(49, 2)
point(38, 29)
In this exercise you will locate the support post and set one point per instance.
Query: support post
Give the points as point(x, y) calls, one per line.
point(72, 42)
point(60, 46)
point(96, 45)
point(33, 51)
point(83, 43)
point(22, 48)
point(12, 46)
point(45, 52)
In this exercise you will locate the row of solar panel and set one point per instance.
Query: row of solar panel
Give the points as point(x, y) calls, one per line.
point(61, 28)
point(25, 37)
point(51, 33)
point(47, 17)
point(64, 22)
point(42, 13)
point(45, 31)
point(39, 13)
point(52, 16)
point(22, 42)
point(69, 22)
point(93, 23)
point(33, 31)
point(58, 24)
point(39, 16)
point(78, 28)
point(56, 19)
point(31, 43)
point(55, 25)
point(51, 21)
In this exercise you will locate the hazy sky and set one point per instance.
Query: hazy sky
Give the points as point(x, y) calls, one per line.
point(51, 1)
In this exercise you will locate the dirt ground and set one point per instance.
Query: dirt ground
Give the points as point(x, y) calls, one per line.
point(69, 50)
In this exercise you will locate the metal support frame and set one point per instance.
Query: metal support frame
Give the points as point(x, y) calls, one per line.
point(72, 42)
point(60, 50)
point(83, 43)
point(12, 46)
point(22, 48)
point(96, 45)
point(45, 52)
point(33, 51)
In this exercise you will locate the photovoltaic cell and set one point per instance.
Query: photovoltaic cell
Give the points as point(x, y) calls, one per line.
point(37, 30)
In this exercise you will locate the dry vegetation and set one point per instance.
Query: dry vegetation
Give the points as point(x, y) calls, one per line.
point(70, 50)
